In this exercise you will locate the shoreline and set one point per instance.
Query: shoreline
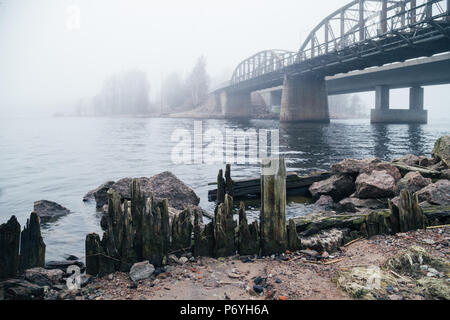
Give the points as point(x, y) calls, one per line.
point(317, 239)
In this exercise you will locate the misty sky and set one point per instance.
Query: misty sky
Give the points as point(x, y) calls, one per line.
point(47, 63)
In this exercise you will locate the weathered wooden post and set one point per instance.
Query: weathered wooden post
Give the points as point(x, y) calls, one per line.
point(248, 236)
point(182, 231)
point(224, 226)
point(410, 214)
point(293, 242)
point(9, 248)
point(273, 206)
point(203, 237)
point(229, 188)
point(32, 246)
point(94, 253)
point(220, 188)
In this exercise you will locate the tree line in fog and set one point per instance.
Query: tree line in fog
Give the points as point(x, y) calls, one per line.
point(347, 106)
point(128, 93)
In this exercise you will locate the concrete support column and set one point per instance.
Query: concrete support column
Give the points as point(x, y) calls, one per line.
point(304, 99)
point(383, 114)
point(235, 104)
point(416, 98)
point(382, 98)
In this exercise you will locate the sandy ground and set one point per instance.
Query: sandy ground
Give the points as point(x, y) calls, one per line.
point(294, 276)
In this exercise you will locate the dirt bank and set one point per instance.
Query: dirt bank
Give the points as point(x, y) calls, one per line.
point(294, 276)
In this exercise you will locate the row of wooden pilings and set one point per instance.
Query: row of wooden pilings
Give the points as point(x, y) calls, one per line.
point(140, 229)
point(20, 251)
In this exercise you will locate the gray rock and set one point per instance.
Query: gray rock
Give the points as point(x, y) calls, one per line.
point(413, 182)
point(183, 260)
point(409, 159)
point(48, 210)
point(358, 205)
point(436, 193)
point(162, 186)
point(63, 265)
point(100, 194)
point(353, 166)
point(383, 166)
point(379, 184)
point(338, 187)
point(141, 270)
point(324, 203)
point(18, 289)
point(43, 277)
point(173, 259)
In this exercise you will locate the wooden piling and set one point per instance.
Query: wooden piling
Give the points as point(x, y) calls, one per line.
point(9, 248)
point(273, 206)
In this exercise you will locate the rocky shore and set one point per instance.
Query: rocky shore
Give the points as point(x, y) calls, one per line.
point(379, 231)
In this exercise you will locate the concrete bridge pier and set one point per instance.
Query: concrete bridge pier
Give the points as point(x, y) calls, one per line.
point(383, 114)
point(235, 104)
point(304, 99)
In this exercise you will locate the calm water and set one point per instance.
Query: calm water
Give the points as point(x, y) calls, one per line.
point(60, 159)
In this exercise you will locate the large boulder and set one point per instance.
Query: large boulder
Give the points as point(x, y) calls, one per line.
point(162, 186)
point(141, 270)
point(44, 277)
point(441, 150)
point(409, 159)
point(353, 166)
point(99, 194)
point(17, 289)
point(324, 203)
point(48, 210)
point(383, 166)
point(413, 182)
point(338, 187)
point(359, 205)
point(378, 184)
point(437, 193)
point(91, 194)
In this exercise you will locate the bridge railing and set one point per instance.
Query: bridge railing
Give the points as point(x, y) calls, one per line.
point(400, 20)
point(407, 20)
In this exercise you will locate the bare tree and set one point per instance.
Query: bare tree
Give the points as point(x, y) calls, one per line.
point(198, 82)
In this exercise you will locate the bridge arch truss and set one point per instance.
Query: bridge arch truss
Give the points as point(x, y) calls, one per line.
point(361, 31)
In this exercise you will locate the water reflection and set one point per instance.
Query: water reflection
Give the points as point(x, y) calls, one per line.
point(382, 141)
point(61, 159)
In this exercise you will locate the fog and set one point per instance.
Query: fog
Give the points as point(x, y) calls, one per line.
point(48, 61)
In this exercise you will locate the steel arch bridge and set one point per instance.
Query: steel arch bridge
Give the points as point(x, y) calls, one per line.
point(361, 34)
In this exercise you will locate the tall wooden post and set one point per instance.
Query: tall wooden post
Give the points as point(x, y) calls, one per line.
point(273, 206)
